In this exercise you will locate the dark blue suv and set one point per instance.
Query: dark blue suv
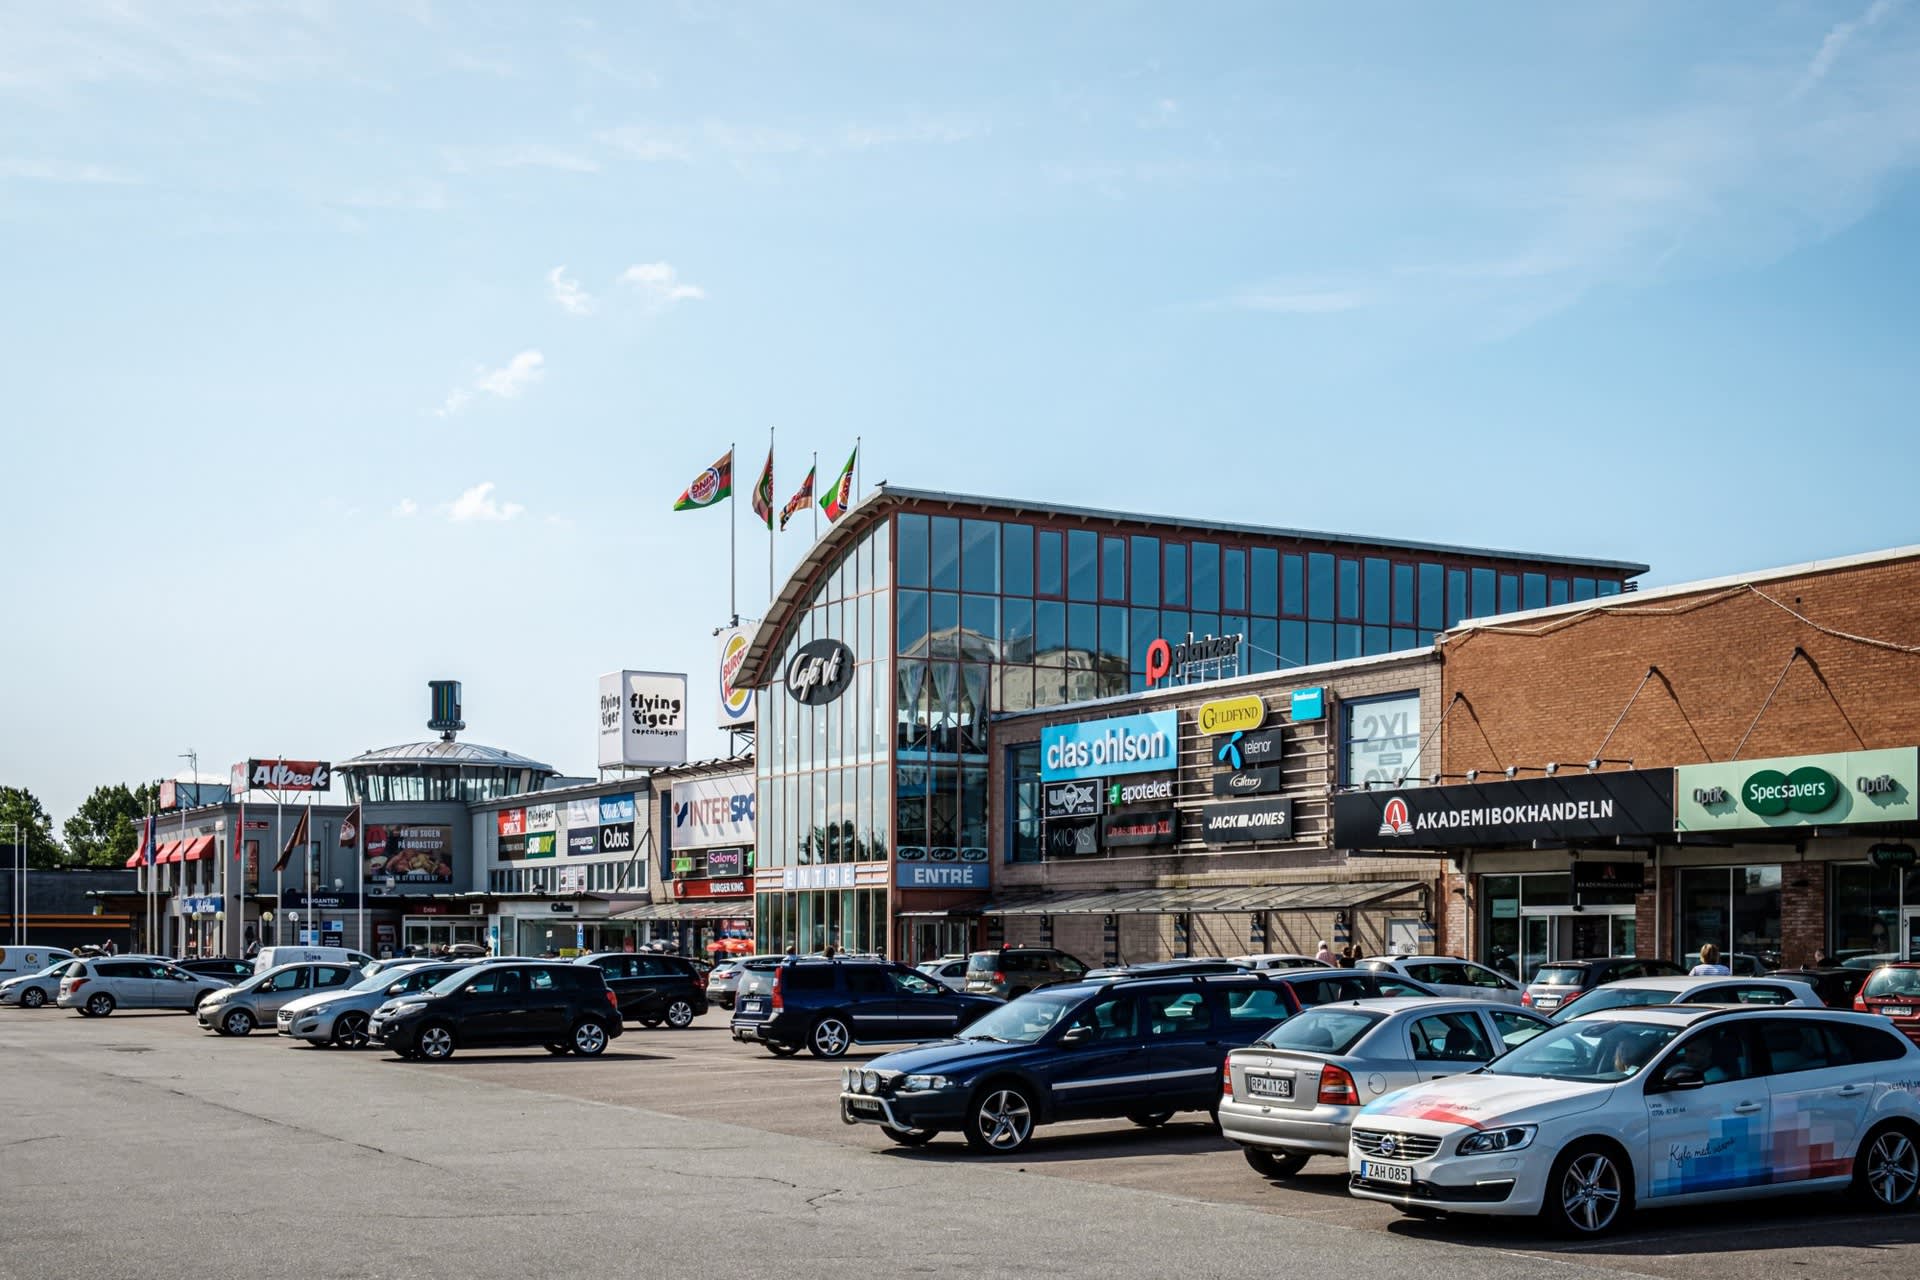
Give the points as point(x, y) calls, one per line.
point(1139, 1048)
point(826, 1006)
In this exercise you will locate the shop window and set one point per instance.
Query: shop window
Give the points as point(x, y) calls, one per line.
point(1378, 583)
point(1432, 597)
point(1083, 551)
point(1292, 586)
point(1735, 908)
point(1233, 580)
point(1206, 577)
point(1266, 581)
point(912, 566)
point(1509, 592)
point(1047, 569)
point(980, 555)
point(1349, 588)
point(1533, 590)
point(1146, 571)
point(1864, 912)
point(1557, 591)
point(943, 549)
point(1173, 586)
point(1380, 741)
point(1320, 586)
point(1113, 569)
point(1485, 604)
point(1583, 588)
point(1016, 542)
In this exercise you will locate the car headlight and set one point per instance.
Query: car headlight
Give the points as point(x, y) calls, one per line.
point(1511, 1138)
point(923, 1084)
point(407, 1006)
point(870, 1081)
point(316, 1011)
point(850, 1079)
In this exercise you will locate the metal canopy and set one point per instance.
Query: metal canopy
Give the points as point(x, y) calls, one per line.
point(710, 909)
point(1210, 901)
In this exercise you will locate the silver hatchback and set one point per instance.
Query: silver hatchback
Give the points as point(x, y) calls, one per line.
point(238, 1010)
point(339, 1017)
point(98, 985)
point(1294, 1092)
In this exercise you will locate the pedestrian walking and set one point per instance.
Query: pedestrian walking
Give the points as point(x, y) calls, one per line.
point(1710, 966)
point(1325, 954)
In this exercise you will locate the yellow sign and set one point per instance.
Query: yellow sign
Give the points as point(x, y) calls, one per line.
point(1233, 715)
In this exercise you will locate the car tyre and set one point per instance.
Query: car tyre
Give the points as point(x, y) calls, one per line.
point(99, 1005)
point(830, 1037)
point(1589, 1192)
point(911, 1137)
point(558, 1050)
point(589, 1038)
point(680, 1015)
point(782, 1050)
point(32, 998)
point(649, 1022)
point(1150, 1119)
point(1001, 1119)
point(237, 1023)
point(1275, 1164)
point(434, 1043)
point(350, 1030)
point(1886, 1169)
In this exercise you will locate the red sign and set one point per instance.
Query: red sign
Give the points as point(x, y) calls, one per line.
point(289, 775)
point(712, 888)
point(512, 822)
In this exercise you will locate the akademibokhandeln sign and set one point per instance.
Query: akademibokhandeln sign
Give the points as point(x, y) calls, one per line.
point(1566, 807)
point(1839, 789)
point(1123, 744)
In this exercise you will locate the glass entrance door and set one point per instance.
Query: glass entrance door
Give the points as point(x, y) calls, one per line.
point(931, 939)
point(1910, 934)
point(1574, 935)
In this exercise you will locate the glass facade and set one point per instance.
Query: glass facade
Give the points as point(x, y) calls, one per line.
point(953, 617)
point(1735, 908)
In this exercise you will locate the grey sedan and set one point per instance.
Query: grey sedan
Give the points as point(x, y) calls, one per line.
point(1294, 1092)
point(235, 1011)
point(34, 990)
point(339, 1018)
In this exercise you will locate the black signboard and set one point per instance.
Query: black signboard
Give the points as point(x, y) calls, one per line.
point(1247, 782)
point(1589, 877)
point(1073, 837)
point(1078, 799)
point(1573, 807)
point(616, 837)
point(332, 900)
point(1245, 821)
point(820, 672)
point(584, 842)
point(1247, 750)
point(1121, 830)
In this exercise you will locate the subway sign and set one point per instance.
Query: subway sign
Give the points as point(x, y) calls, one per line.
point(1123, 744)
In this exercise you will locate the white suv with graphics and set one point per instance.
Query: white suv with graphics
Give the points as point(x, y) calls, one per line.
point(1673, 1105)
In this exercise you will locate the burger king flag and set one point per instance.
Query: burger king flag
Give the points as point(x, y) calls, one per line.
point(710, 486)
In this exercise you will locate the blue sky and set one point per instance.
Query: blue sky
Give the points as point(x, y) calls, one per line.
point(351, 346)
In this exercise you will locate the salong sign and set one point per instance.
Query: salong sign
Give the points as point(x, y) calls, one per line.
point(1799, 791)
point(1571, 807)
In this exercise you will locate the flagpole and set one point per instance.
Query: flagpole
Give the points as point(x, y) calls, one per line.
point(279, 843)
point(856, 469)
point(771, 490)
point(733, 540)
point(360, 875)
point(810, 502)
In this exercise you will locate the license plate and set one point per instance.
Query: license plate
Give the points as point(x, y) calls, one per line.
point(1374, 1171)
point(749, 1006)
point(1897, 1010)
point(1270, 1086)
point(864, 1107)
point(1546, 1002)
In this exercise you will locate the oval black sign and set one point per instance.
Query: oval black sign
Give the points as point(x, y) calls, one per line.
point(820, 672)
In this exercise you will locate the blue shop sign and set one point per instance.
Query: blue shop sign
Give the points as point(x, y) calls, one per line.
point(952, 875)
point(1101, 748)
point(617, 808)
point(1308, 704)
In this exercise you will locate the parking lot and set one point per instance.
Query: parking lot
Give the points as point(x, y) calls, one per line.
point(699, 1148)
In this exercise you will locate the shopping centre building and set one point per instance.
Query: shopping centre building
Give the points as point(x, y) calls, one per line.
point(919, 617)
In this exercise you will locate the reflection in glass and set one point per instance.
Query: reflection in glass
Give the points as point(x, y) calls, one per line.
point(1017, 542)
point(1233, 580)
point(913, 550)
point(944, 549)
point(1173, 587)
point(1113, 569)
point(1047, 572)
point(1206, 577)
point(1266, 581)
point(1083, 546)
point(1146, 571)
point(980, 555)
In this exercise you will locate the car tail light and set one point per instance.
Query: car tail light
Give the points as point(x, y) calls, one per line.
point(1226, 1079)
point(1860, 1005)
point(775, 1001)
point(613, 1000)
point(999, 978)
point(1526, 999)
point(699, 979)
point(1336, 1087)
point(70, 985)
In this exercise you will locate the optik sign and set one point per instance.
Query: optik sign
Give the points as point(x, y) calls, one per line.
point(1123, 744)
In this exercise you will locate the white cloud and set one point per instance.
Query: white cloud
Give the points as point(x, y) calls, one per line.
point(71, 174)
point(507, 382)
point(659, 281)
point(1837, 40)
point(568, 294)
point(406, 508)
point(1301, 302)
point(644, 143)
point(516, 155)
point(477, 504)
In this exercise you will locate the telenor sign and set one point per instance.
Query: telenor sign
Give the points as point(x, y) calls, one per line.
point(1228, 715)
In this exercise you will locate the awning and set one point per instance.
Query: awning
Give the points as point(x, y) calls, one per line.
point(195, 849)
point(1226, 900)
point(135, 859)
point(709, 909)
point(168, 852)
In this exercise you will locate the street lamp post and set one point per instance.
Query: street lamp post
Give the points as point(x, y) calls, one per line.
point(17, 901)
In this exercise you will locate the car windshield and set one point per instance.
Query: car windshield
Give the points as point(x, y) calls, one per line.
point(1595, 1052)
point(451, 983)
point(1025, 1020)
point(1893, 982)
point(1322, 1030)
point(982, 963)
point(1613, 998)
point(1558, 976)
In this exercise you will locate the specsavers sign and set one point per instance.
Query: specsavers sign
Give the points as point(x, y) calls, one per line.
point(1123, 744)
point(1799, 791)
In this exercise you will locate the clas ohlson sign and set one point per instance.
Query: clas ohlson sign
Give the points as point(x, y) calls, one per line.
point(1798, 791)
point(1122, 744)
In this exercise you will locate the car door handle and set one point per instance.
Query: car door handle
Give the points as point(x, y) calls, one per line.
point(1852, 1090)
point(1746, 1108)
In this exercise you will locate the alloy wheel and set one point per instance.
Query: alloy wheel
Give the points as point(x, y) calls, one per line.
point(1893, 1169)
point(435, 1044)
point(830, 1038)
point(1005, 1120)
point(350, 1030)
point(101, 1005)
point(589, 1038)
point(680, 1015)
point(1590, 1192)
point(33, 998)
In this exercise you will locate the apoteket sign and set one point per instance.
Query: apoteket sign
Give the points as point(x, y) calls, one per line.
point(819, 672)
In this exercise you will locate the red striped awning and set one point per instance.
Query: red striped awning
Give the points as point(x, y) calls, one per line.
point(168, 852)
point(195, 849)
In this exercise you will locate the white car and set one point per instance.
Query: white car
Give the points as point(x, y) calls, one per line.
point(1633, 993)
point(1450, 976)
point(1671, 1105)
point(1279, 960)
point(948, 971)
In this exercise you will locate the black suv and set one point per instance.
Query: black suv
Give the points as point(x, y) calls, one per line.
point(829, 1005)
point(1139, 1048)
point(1559, 981)
point(1014, 971)
point(653, 989)
point(565, 1007)
point(225, 968)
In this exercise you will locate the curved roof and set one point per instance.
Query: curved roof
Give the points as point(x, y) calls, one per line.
point(461, 755)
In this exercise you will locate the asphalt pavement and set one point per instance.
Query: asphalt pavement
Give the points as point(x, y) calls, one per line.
point(138, 1146)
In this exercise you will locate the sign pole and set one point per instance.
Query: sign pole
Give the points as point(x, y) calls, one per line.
point(733, 538)
point(279, 843)
point(360, 877)
point(771, 490)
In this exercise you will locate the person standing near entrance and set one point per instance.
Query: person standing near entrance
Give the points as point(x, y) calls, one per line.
point(1325, 954)
point(1710, 966)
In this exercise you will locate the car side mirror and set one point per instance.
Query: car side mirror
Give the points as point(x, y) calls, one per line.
point(1681, 1078)
point(1073, 1037)
point(397, 988)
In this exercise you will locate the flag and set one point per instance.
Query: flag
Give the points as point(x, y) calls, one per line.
point(710, 486)
point(799, 500)
point(763, 492)
point(836, 500)
point(146, 843)
point(294, 841)
point(240, 836)
point(350, 828)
